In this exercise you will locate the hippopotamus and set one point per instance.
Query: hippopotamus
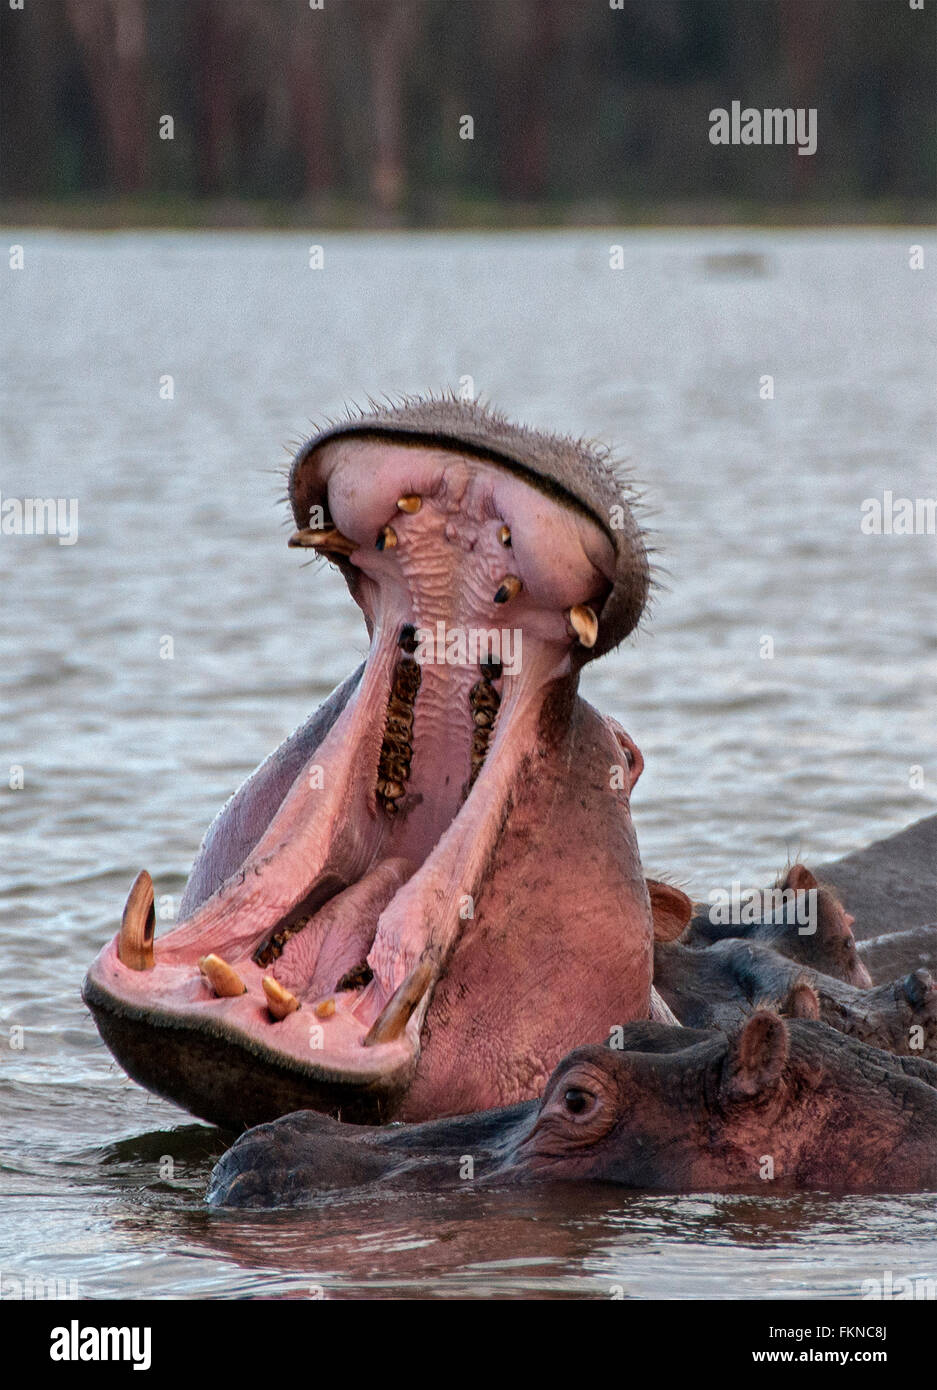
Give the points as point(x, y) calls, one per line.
point(779, 1105)
point(827, 943)
point(714, 975)
point(432, 889)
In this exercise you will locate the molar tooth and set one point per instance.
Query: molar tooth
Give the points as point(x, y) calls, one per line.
point(135, 946)
point(387, 539)
point(328, 538)
point(510, 588)
point(394, 1017)
point(504, 535)
point(584, 623)
point(222, 977)
point(410, 502)
point(280, 1001)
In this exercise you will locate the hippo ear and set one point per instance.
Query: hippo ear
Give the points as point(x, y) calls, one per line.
point(670, 909)
point(757, 1055)
point(800, 879)
point(802, 1002)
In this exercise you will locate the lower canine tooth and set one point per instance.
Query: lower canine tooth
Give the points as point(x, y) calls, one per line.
point(410, 502)
point(584, 623)
point(394, 1017)
point(280, 1001)
point(328, 538)
point(510, 588)
point(222, 977)
point(135, 946)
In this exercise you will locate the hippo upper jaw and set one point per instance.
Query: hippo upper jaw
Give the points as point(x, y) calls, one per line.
point(354, 870)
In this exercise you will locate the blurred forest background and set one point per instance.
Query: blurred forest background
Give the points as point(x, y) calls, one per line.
point(350, 114)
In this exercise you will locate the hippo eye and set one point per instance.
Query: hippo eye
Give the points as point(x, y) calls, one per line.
point(578, 1101)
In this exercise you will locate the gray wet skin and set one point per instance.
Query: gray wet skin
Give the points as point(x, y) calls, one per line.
point(669, 1109)
point(848, 1089)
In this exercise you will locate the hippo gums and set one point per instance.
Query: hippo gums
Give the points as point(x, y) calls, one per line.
point(432, 889)
point(778, 1106)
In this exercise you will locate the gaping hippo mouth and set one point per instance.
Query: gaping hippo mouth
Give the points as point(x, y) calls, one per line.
point(332, 889)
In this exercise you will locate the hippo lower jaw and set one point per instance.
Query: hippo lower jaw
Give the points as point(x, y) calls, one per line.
point(374, 852)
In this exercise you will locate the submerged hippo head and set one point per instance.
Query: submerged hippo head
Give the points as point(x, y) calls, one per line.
point(431, 891)
point(780, 1106)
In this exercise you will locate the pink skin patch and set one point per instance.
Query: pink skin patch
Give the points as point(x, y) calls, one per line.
point(354, 863)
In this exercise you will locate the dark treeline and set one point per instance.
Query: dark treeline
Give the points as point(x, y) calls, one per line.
point(361, 102)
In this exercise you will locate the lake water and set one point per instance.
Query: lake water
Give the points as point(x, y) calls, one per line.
point(127, 755)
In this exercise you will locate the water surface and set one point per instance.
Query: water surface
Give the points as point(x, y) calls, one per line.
point(126, 754)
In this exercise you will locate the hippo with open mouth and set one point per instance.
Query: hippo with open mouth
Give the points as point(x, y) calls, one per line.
point(777, 1106)
point(432, 890)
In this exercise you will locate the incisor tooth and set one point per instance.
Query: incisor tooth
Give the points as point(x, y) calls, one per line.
point(410, 502)
point(325, 1008)
point(280, 1001)
point(510, 588)
point(504, 535)
point(584, 623)
point(135, 946)
point(394, 1017)
point(387, 539)
point(328, 538)
point(222, 977)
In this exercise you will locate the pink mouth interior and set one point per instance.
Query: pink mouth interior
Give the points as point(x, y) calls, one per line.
point(346, 889)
